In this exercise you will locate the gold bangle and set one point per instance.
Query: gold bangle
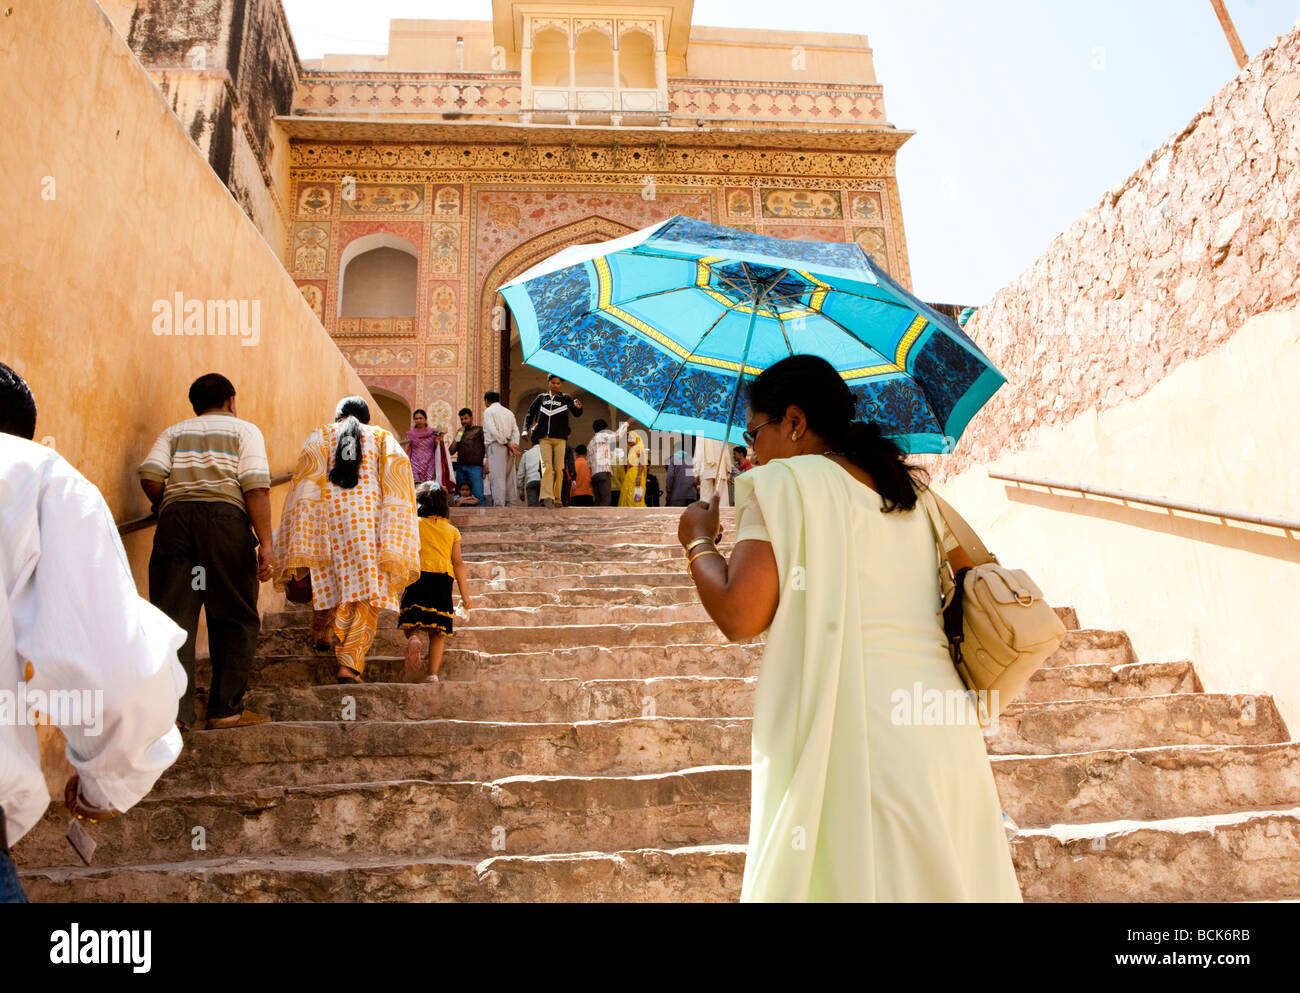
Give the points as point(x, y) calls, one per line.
point(708, 551)
point(697, 542)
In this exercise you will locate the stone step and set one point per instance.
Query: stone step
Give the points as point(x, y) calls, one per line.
point(589, 582)
point(341, 751)
point(496, 564)
point(1093, 681)
point(306, 693)
point(286, 634)
point(486, 596)
point(552, 615)
point(1088, 646)
point(1075, 726)
point(1147, 783)
point(556, 615)
point(704, 873)
point(495, 640)
point(598, 542)
point(299, 668)
point(509, 572)
point(521, 815)
point(1249, 855)
point(540, 700)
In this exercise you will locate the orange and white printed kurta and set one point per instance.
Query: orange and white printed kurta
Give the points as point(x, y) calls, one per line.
point(361, 544)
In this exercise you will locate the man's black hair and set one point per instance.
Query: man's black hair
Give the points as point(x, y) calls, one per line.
point(17, 405)
point(491, 397)
point(463, 411)
point(210, 391)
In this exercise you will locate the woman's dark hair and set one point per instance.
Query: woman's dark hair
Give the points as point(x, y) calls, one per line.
point(419, 410)
point(811, 383)
point(17, 405)
point(431, 501)
point(353, 412)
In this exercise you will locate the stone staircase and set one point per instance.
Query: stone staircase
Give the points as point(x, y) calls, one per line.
point(590, 741)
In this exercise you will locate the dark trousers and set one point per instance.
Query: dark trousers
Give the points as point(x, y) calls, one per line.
point(600, 483)
point(11, 890)
point(472, 474)
point(204, 555)
point(534, 491)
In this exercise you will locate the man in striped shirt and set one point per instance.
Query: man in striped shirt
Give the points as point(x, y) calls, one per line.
point(207, 477)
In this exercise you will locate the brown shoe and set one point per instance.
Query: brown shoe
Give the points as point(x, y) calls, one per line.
point(242, 720)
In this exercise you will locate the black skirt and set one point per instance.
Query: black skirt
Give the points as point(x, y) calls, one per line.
point(427, 603)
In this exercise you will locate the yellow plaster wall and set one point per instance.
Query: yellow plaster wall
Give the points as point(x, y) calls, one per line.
point(1219, 432)
point(712, 53)
point(136, 216)
point(793, 56)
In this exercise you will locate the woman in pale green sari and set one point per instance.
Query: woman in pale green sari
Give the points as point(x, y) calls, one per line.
point(859, 793)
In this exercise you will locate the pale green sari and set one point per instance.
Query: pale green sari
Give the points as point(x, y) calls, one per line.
point(856, 795)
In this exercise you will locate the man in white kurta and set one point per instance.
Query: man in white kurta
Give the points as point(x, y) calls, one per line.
point(69, 606)
point(712, 465)
point(501, 438)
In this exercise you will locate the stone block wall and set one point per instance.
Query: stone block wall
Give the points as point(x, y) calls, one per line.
point(1171, 263)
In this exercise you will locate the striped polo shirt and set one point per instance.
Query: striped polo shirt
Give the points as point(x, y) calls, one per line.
point(214, 457)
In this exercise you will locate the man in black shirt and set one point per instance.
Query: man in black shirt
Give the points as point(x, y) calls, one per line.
point(547, 422)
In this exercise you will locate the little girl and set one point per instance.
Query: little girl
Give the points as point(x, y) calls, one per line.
point(426, 604)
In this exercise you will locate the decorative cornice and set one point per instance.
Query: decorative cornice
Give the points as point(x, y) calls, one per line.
point(547, 163)
point(439, 134)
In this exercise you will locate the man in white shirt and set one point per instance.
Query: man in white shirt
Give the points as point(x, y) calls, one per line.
point(602, 452)
point(77, 643)
point(712, 464)
point(501, 435)
point(531, 468)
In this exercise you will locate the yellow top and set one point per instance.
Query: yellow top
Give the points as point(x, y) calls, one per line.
point(437, 536)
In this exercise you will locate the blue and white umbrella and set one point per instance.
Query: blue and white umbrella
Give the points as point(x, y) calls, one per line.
point(668, 323)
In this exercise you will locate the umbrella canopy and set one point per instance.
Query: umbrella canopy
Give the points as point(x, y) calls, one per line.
point(667, 324)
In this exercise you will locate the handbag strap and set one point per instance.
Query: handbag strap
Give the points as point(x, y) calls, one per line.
point(951, 585)
point(933, 515)
point(963, 532)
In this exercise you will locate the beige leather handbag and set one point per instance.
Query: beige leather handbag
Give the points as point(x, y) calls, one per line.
point(999, 627)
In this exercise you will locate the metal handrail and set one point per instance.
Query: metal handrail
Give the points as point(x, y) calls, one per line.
point(150, 519)
point(1282, 523)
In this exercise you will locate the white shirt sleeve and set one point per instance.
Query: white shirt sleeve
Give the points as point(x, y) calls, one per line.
point(80, 621)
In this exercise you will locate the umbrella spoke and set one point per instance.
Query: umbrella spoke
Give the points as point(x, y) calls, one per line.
point(682, 365)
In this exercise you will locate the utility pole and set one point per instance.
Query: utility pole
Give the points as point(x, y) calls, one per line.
point(1234, 40)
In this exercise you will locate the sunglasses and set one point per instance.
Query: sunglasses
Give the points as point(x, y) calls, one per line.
point(751, 435)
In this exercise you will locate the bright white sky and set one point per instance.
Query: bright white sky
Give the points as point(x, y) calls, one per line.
point(1026, 111)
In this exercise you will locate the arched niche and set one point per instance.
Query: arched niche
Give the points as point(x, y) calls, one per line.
point(551, 58)
point(593, 59)
point(636, 61)
point(378, 277)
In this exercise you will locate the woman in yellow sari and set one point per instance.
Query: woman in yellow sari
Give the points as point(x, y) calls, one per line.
point(350, 521)
point(855, 797)
point(632, 492)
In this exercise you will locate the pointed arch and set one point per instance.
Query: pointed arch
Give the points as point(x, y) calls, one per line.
point(519, 259)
